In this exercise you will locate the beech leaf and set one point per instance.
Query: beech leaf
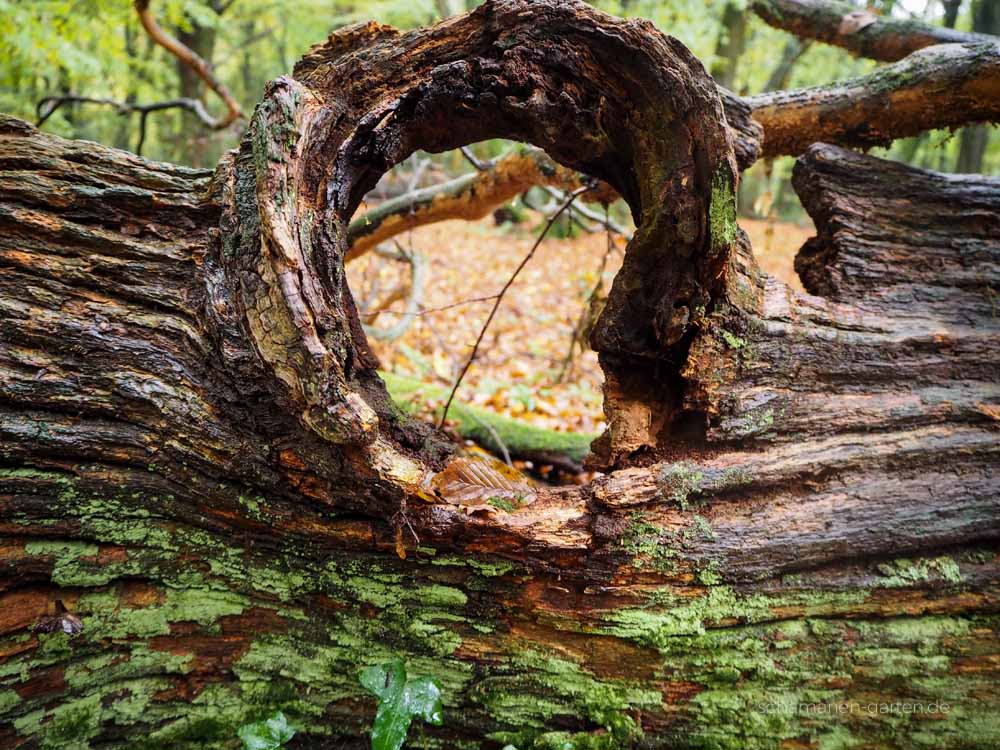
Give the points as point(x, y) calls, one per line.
point(472, 481)
point(856, 20)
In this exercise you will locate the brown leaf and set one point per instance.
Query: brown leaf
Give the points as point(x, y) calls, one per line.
point(473, 481)
point(856, 20)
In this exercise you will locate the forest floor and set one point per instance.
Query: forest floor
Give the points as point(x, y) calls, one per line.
point(517, 370)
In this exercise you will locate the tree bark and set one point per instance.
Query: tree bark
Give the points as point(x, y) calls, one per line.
point(200, 463)
point(972, 141)
point(948, 86)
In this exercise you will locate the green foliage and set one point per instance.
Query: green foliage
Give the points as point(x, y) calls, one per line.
point(399, 700)
point(97, 48)
point(269, 734)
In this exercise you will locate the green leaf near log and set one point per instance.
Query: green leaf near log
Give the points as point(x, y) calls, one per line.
point(269, 734)
point(400, 699)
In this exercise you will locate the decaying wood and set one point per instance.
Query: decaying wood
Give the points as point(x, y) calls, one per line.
point(862, 32)
point(199, 463)
point(947, 86)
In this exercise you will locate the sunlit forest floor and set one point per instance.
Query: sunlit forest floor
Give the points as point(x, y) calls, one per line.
point(517, 370)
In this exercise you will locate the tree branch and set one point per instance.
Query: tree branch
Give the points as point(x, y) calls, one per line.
point(471, 196)
point(201, 68)
point(939, 87)
point(859, 31)
point(48, 105)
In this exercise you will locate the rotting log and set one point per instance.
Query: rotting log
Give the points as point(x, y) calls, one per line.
point(200, 463)
point(860, 31)
point(491, 431)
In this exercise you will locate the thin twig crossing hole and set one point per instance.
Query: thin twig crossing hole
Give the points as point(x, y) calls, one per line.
point(475, 349)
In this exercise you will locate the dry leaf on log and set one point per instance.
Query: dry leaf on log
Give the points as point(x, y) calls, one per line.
point(481, 483)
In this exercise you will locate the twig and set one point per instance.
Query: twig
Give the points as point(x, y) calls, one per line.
point(494, 434)
point(605, 221)
point(567, 363)
point(474, 160)
point(496, 305)
point(418, 280)
point(429, 310)
point(48, 105)
point(201, 68)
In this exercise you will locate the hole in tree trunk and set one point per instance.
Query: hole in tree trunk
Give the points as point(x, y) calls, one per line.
point(435, 241)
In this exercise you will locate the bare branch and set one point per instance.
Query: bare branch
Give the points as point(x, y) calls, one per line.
point(941, 86)
point(414, 295)
point(48, 105)
point(859, 31)
point(471, 196)
point(201, 68)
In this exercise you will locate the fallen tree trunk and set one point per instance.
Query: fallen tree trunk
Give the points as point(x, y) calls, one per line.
point(859, 31)
point(496, 433)
point(201, 465)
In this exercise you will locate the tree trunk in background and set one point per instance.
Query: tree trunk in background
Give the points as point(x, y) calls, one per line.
point(447, 8)
point(951, 9)
point(199, 462)
point(126, 128)
point(732, 42)
point(191, 135)
point(790, 55)
point(973, 140)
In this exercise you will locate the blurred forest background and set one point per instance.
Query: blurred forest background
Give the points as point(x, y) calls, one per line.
point(97, 48)
point(532, 365)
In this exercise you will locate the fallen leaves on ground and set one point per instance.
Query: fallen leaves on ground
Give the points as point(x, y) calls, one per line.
point(517, 368)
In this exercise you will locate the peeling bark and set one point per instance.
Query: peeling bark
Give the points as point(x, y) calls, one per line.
point(199, 462)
